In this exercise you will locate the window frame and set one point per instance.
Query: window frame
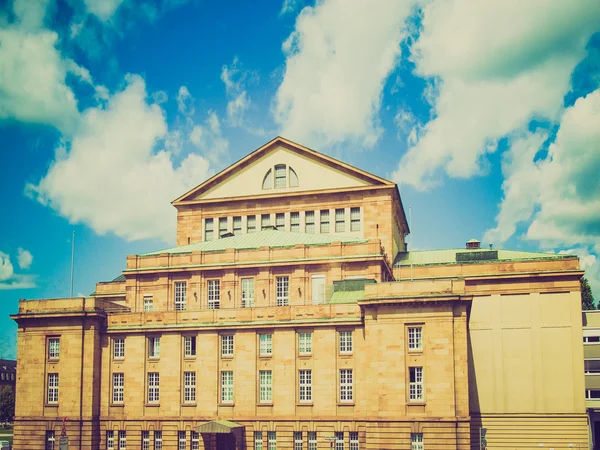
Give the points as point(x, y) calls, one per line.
point(265, 386)
point(309, 222)
point(265, 221)
point(110, 439)
point(354, 441)
point(340, 220)
point(346, 342)
point(53, 348)
point(207, 221)
point(118, 348)
point(251, 220)
point(247, 300)
point(295, 222)
point(271, 440)
point(297, 440)
point(189, 387)
point(148, 303)
point(122, 440)
point(189, 346)
point(52, 388)
point(118, 388)
point(282, 290)
point(180, 291)
point(415, 338)
point(213, 293)
point(258, 440)
point(158, 440)
point(305, 348)
point(237, 225)
point(50, 439)
point(346, 385)
point(305, 386)
point(324, 221)
point(195, 439)
point(339, 440)
point(355, 220)
point(280, 224)
point(416, 392)
point(416, 441)
point(153, 391)
point(181, 440)
point(145, 440)
point(312, 440)
point(227, 346)
point(153, 347)
point(227, 387)
point(267, 345)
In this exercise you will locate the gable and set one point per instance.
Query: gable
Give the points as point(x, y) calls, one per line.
point(300, 170)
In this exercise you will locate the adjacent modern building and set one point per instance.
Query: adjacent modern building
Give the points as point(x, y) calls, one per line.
point(591, 354)
point(290, 315)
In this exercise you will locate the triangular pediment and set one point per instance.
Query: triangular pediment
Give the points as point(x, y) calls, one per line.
point(304, 170)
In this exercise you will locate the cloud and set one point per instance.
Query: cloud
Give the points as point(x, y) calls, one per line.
point(493, 76)
point(591, 264)
point(103, 9)
point(289, 6)
point(11, 280)
point(209, 138)
point(337, 61)
point(185, 102)
point(234, 79)
point(25, 258)
point(110, 176)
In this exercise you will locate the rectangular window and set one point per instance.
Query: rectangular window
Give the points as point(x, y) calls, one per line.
point(309, 222)
point(153, 347)
point(339, 440)
point(354, 219)
point(353, 440)
point(297, 440)
point(340, 220)
point(283, 290)
point(227, 345)
point(180, 295)
point(189, 346)
point(265, 221)
point(145, 440)
point(52, 388)
point(305, 343)
point(237, 225)
point(119, 348)
point(158, 440)
point(416, 441)
point(227, 387)
point(280, 177)
point(266, 344)
point(345, 342)
point(415, 386)
point(222, 226)
point(251, 224)
point(415, 338)
point(591, 339)
point(247, 292)
point(591, 366)
point(318, 289)
point(181, 439)
point(346, 385)
point(189, 387)
point(295, 222)
point(153, 387)
point(305, 384)
point(258, 443)
point(209, 234)
point(49, 440)
point(280, 221)
point(312, 440)
point(592, 393)
point(118, 387)
point(265, 379)
point(324, 221)
point(148, 303)
point(214, 294)
point(53, 348)
point(122, 440)
point(272, 440)
point(110, 440)
point(195, 440)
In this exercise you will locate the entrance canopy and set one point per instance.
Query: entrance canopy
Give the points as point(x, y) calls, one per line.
point(219, 427)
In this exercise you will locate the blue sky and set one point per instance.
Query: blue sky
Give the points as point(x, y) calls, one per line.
point(486, 114)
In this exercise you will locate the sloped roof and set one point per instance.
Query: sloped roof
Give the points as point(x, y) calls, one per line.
point(448, 256)
point(266, 238)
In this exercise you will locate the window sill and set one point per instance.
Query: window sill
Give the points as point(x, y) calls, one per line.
point(51, 405)
point(415, 350)
point(152, 404)
point(228, 357)
point(416, 403)
point(346, 355)
point(189, 358)
point(346, 403)
point(153, 358)
point(265, 404)
point(53, 360)
point(119, 360)
point(305, 404)
point(265, 356)
point(117, 405)
point(193, 404)
point(304, 355)
point(227, 404)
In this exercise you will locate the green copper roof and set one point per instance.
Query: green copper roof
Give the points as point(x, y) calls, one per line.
point(267, 238)
point(448, 256)
point(347, 296)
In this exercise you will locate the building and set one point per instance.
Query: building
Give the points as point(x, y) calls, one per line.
point(8, 370)
point(290, 315)
point(591, 354)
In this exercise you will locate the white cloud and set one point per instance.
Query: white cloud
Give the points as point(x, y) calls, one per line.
point(25, 258)
point(234, 79)
point(11, 280)
point(591, 264)
point(289, 6)
point(497, 65)
point(185, 101)
point(109, 176)
point(209, 138)
point(103, 9)
point(337, 61)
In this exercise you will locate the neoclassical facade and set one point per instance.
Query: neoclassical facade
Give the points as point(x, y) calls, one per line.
point(290, 315)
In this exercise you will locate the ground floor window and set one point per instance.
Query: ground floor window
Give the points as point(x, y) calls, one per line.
point(416, 441)
point(258, 443)
point(49, 440)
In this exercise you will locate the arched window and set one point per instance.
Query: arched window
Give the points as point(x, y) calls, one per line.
point(293, 178)
point(267, 182)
